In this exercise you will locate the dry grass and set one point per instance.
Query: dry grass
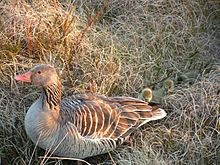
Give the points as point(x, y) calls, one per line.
point(117, 48)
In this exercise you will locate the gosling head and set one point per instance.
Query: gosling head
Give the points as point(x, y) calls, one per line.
point(147, 94)
point(168, 85)
point(40, 75)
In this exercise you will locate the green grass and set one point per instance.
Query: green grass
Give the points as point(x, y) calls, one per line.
point(117, 48)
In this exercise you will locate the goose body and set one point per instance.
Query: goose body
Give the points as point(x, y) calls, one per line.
point(81, 126)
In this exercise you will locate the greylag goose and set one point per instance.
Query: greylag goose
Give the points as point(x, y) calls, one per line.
point(84, 125)
point(168, 85)
point(146, 94)
point(155, 96)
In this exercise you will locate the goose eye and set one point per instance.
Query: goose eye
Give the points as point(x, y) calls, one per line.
point(39, 72)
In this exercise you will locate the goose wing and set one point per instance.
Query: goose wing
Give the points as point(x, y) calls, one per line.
point(108, 117)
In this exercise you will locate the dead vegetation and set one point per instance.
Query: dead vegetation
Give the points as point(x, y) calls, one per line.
point(117, 48)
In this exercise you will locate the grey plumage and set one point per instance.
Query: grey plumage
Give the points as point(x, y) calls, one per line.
point(83, 125)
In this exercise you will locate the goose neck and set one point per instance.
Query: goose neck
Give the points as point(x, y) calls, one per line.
point(51, 96)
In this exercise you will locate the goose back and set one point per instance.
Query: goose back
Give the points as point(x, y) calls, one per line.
point(100, 123)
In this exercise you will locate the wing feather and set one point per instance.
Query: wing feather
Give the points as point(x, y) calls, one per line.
point(88, 121)
point(112, 117)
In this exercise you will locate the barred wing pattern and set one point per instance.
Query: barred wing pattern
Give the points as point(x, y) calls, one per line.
point(99, 117)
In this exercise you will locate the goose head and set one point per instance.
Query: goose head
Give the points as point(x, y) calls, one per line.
point(40, 75)
point(147, 94)
point(168, 85)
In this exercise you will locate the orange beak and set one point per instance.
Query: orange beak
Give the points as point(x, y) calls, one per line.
point(26, 77)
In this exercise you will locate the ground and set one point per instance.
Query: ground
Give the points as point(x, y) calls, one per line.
point(117, 48)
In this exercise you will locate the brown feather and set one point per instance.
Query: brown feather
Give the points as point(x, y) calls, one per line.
point(111, 117)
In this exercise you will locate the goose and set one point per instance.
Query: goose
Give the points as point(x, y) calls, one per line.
point(168, 85)
point(155, 96)
point(83, 125)
point(146, 94)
